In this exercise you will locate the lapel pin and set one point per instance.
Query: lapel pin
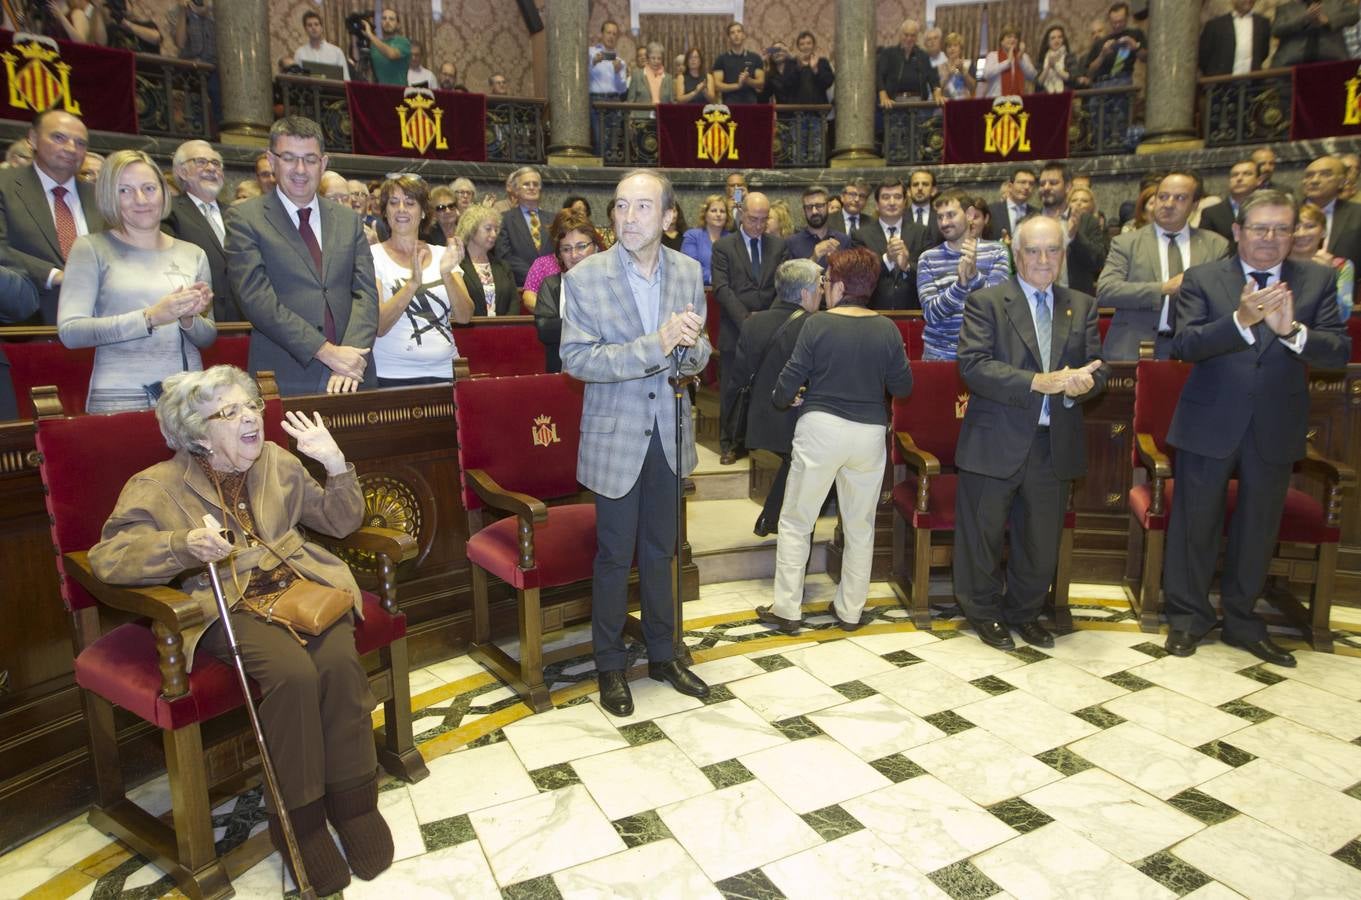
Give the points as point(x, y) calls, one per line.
point(1069, 313)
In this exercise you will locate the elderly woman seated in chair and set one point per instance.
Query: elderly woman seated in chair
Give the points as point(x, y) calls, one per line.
point(316, 703)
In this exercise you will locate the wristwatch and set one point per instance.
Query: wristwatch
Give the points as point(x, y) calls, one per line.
point(1295, 329)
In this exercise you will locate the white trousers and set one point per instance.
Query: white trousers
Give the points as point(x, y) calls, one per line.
point(829, 448)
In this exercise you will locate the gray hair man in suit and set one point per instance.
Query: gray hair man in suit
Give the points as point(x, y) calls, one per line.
point(303, 273)
point(524, 228)
point(196, 217)
point(631, 316)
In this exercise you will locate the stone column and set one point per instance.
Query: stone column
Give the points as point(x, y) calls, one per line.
point(569, 101)
point(855, 94)
point(245, 72)
point(1173, 31)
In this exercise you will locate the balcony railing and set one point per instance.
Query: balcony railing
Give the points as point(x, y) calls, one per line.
point(630, 135)
point(172, 97)
point(914, 133)
point(1246, 109)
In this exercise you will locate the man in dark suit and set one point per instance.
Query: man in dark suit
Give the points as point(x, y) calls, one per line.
point(1220, 217)
point(744, 265)
point(1005, 215)
point(18, 301)
point(1252, 326)
point(44, 207)
point(897, 242)
point(921, 190)
point(1322, 185)
point(852, 215)
point(524, 229)
point(1235, 43)
point(1028, 350)
point(196, 217)
point(818, 239)
point(303, 273)
point(1085, 239)
point(1311, 30)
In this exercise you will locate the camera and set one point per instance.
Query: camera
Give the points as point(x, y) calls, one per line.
point(354, 24)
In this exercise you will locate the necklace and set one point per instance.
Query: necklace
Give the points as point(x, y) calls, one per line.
point(483, 271)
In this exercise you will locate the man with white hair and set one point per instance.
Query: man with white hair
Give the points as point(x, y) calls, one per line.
point(524, 231)
point(196, 217)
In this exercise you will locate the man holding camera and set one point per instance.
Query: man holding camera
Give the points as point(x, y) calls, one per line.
point(389, 55)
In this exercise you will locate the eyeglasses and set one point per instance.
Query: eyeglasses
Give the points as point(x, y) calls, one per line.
point(575, 248)
point(815, 206)
point(204, 162)
point(1269, 231)
point(311, 160)
point(445, 207)
point(233, 411)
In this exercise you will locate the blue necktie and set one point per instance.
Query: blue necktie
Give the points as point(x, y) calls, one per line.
point(756, 258)
point(1044, 334)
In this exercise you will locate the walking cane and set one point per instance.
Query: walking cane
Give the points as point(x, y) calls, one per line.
point(305, 890)
point(678, 384)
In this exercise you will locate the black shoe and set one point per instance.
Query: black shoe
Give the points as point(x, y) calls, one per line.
point(614, 693)
point(1266, 650)
point(679, 677)
point(727, 458)
point(1181, 643)
point(764, 528)
point(844, 625)
point(782, 625)
point(994, 634)
point(1033, 632)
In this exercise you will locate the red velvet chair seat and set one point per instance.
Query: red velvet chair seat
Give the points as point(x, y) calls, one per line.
point(941, 516)
point(1302, 521)
point(564, 548)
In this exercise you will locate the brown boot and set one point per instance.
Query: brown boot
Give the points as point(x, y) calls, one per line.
point(326, 868)
point(363, 832)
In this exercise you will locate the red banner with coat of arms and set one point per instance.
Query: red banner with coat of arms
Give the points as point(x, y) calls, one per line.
point(95, 83)
point(1326, 100)
point(389, 120)
point(1007, 129)
point(716, 136)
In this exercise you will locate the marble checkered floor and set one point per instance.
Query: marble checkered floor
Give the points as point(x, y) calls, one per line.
point(887, 763)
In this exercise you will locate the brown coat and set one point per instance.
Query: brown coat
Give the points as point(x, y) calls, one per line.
point(145, 539)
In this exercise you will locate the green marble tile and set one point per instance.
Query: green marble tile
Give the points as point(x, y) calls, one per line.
point(1202, 806)
point(643, 828)
point(1357, 741)
point(1151, 649)
point(855, 690)
point(391, 784)
point(1350, 854)
point(1028, 654)
point(541, 888)
point(575, 701)
point(1099, 716)
point(1172, 873)
point(1064, 761)
point(949, 634)
point(641, 733)
point(772, 663)
point(902, 658)
point(897, 768)
point(797, 728)
point(1354, 791)
point(832, 822)
point(1020, 815)
point(1129, 681)
point(964, 881)
point(550, 778)
point(949, 721)
point(752, 885)
point(1258, 673)
point(1226, 753)
point(494, 737)
point(1245, 710)
point(992, 684)
point(718, 693)
point(727, 773)
point(447, 833)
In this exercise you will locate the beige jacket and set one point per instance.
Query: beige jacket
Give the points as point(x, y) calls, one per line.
point(145, 539)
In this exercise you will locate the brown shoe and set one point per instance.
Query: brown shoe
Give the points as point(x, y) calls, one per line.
point(782, 625)
point(363, 832)
point(326, 868)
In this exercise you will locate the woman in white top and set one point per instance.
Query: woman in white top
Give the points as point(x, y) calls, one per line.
point(1008, 68)
point(417, 296)
point(487, 283)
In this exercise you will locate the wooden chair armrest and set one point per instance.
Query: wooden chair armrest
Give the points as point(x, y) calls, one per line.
point(1339, 473)
point(171, 608)
point(497, 497)
point(1158, 465)
point(397, 546)
point(920, 461)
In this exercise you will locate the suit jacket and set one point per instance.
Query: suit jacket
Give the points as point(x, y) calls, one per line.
point(840, 223)
point(896, 289)
point(18, 301)
point(1086, 254)
point(515, 244)
point(998, 357)
point(999, 220)
point(1132, 283)
point(933, 237)
point(1302, 42)
point(28, 234)
point(738, 292)
point(1345, 237)
point(605, 344)
point(800, 244)
point(284, 296)
point(1217, 45)
point(1265, 384)
point(507, 295)
point(768, 428)
point(188, 224)
point(1219, 219)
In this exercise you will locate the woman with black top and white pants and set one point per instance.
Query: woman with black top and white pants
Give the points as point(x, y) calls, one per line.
point(847, 359)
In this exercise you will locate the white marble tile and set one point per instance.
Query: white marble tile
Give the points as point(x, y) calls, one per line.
point(1054, 862)
point(1260, 862)
point(48, 855)
point(1062, 685)
point(894, 641)
point(1324, 819)
point(265, 879)
point(982, 766)
point(657, 870)
point(1177, 716)
point(1026, 722)
point(1213, 891)
point(1148, 760)
point(1090, 590)
point(1339, 675)
point(154, 795)
point(1113, 814)
point(779, 648)
point(967, 657)
point(837, 662)
point(423, 680)
point(1222, 656)
point(422, 725)
point(758, 628)
point(456, 668)
point(813, 773)
point(928, 822)
point(1304, 751)
point(1100, 653)
point(737, 828)
point(858, 865)
point(459, 871)
point(874, 727)
point(545, 833)
point(147, 875)
point(1197, 680)
point(717, 604)
point(474, 779)
point(1312, 707)
point(784, 693)
point(722, 731)
point(562, 735)
point(628, 781)
point(730, 668)
point(925, 689)
point(400, 814)
point(651, 700)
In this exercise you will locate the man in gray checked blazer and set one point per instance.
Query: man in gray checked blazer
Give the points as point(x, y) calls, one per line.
point(628, 315)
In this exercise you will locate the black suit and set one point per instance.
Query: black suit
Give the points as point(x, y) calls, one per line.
point(1086, 254)
point(1217, 45)
point(28, 234)
point(739, 293)
point(18, 301)
point(840, 223)
point(932, 225)
point(896, 289)
point(187, 223)
point(999, 219)
point(1244, 410)
point(1008, 464)
point(1345, 237)
point(1219, 219)
point(515, 243)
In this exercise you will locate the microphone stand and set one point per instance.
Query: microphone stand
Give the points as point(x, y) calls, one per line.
point(679, 383)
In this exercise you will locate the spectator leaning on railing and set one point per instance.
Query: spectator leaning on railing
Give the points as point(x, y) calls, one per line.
point(802, 77)
point(1312, 32)
point(196, 35)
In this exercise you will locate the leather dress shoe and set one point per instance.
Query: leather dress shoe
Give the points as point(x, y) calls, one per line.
point(728, 458)
point(614, 693)
point(679, 677)
point(1034, 633)
point(1181, 643)
point(783, 625)
point(1266, 650)
point(764, 527)
point(994, 634)
point(844, 625)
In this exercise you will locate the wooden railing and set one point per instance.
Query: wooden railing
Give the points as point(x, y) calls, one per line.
point(629, 134)
point(1246, 109)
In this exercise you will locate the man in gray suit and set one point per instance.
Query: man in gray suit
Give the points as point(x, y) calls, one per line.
point(630, 317)
point(303, 273)
point(517, 245)
point(1143, 271)
point(1312, 31)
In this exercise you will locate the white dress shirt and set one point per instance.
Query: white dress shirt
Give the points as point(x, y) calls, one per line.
point(72, 199)
point(1242, 44)
point(1184, 245)
point(897, 233)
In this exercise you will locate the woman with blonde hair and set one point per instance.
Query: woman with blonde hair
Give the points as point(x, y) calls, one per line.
point(781, 219)
point(956, 73)
point(486, 283)
point(714, 222)
point(1310, 230)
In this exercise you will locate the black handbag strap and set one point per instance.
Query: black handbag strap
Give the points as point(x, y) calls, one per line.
point(774, 338)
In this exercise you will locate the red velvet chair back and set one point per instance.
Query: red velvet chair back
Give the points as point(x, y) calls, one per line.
point(1354, 329)
point(934, 410)
point(523, 431)
point(228, 349)
point(1103, 325)
point(911, 330)
point(36, 363)
point(494, 348)
point(1157, 388)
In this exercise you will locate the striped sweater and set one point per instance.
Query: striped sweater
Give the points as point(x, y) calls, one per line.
point(942, 295)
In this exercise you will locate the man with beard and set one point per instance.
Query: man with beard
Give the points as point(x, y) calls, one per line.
point(921, 190)
point(448, 78)
point(1083, 237)
point(949, 272)
point(196, 217)
point(818, 239)
point(389, 54)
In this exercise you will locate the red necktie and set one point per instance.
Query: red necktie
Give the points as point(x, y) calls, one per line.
point(66, 223)
point(309, 239)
